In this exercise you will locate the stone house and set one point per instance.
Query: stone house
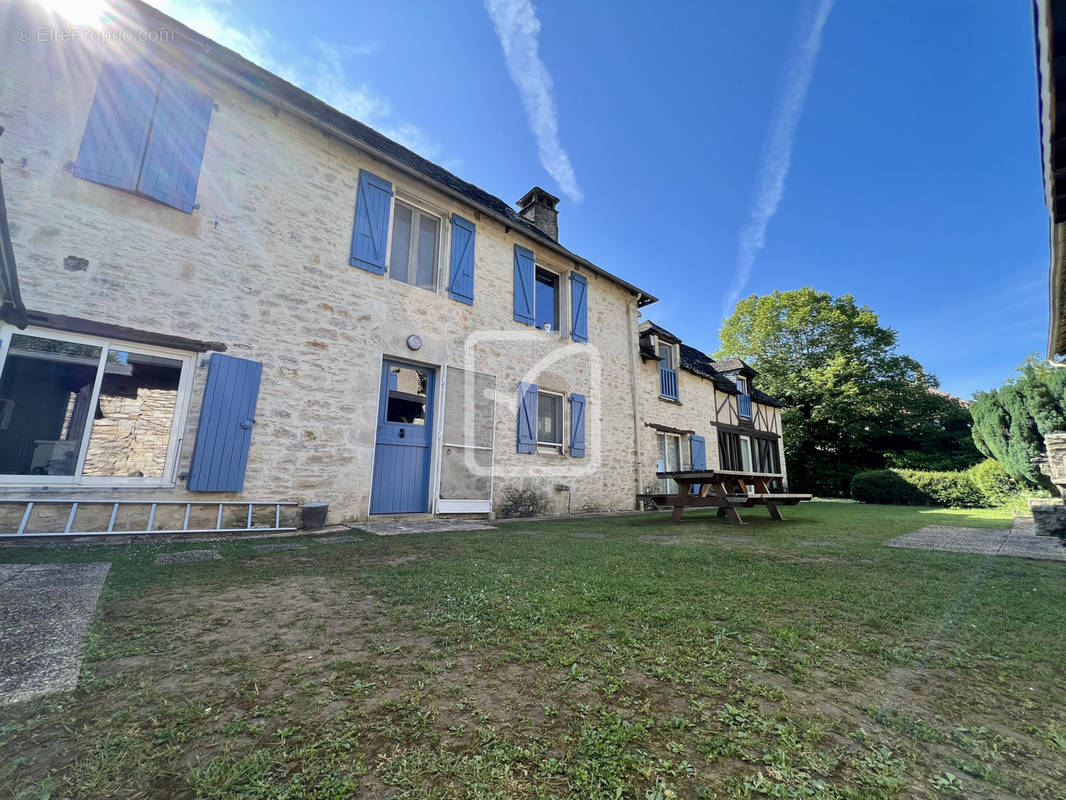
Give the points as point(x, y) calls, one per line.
point(697, 413)
point(236, 292)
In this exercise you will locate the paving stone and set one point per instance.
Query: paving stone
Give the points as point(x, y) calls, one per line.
point(663, 539)
point(45, 610)
point(424, 526)
point(342, 539)
point(817, 544)
point(525, 533)
point(187, 556)
point(273, 548)
point(590, 535)
point(1019, 542)
point(736, 539)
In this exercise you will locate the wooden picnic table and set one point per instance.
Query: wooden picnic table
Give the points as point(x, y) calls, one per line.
point(727, 490)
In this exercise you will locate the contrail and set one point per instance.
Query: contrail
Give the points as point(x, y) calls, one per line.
point(518, 29)
point(777, 154)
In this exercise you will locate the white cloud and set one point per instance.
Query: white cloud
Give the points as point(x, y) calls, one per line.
point(777, 154)
point(321, 72)
point(518, 29)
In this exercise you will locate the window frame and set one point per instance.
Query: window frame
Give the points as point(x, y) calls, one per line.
point(554, 446)
point(443, 233)
point(668, 485)
point(538, 267)
point(177, 425)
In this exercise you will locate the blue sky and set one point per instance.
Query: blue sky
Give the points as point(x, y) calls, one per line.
point(887, 150)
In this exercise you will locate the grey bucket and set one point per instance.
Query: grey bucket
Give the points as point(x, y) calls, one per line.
point(313, 515)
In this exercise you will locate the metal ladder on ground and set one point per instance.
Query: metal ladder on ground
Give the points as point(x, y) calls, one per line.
point(71, 528)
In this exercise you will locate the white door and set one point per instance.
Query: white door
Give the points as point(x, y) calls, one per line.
point(465, 484)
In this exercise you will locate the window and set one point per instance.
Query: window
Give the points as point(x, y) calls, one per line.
point(408, 388)
point(146, 134)
point(81, 410)
point(546, 301)
point(669, 460)
point(744, 398)
point(549, 419)
point(415, 249)
point(666, 355)
point(667, 372)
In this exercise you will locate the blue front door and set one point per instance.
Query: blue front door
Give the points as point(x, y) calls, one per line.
point(404, 440)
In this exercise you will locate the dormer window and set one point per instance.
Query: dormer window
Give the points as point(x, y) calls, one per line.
point(667, 372)
point(743, 398)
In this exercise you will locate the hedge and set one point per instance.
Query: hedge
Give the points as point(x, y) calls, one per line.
point(986, 485)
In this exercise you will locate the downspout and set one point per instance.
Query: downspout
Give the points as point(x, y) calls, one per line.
point(633, 338)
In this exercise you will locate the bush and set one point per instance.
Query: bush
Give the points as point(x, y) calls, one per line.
point(986, 485)
point(997, 485)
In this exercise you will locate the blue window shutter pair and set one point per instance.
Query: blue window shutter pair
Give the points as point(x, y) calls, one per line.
point(527, 417)
point(461, 285)
point(699, 452)
point(579, 305)
point(224, 432)
point(146, 133)
point(577, 425)
point(524, 277)
point(370, 231)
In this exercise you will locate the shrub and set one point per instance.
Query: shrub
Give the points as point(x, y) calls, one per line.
point(986, 485)
point(997, 485)
point(885, 487)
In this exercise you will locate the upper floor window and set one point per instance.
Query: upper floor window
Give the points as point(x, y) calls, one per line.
point(415, 248)
point(146, 134)
point(743, 398)
point(667, 371)
point(546, 300)
point(407, 240)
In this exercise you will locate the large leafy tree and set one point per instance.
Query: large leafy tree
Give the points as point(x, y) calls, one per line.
point(853, 402)
point(1009, 423)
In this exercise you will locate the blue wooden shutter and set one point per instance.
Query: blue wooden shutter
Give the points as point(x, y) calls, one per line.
point(461, 285)
point(579, 294)
point(524, 269)
point(527, 418)
point(176, 144)
point(699, 452)
point(112, 148)
point(577, 425)
point(225, 429)
point(370, 232)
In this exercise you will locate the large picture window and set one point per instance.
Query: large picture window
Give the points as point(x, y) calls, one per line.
point(79, 410)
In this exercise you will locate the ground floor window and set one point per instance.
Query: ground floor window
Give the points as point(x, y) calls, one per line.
point(85, 410)
point(669, 460)
point(549, 419)
point(748, 453)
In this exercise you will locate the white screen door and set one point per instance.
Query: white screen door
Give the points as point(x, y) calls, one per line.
point(466, 442)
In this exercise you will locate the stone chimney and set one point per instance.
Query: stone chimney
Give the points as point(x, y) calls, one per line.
point(538, 207)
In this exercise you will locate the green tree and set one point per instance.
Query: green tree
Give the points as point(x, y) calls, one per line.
point(853, 402)
point(1009, 423)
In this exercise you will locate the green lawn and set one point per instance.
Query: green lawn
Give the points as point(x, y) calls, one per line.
point(500, 665)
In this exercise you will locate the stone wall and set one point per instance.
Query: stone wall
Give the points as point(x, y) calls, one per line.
point(262, 265)
point(131, 434)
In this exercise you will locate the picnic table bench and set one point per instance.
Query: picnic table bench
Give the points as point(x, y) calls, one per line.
point(727, 490)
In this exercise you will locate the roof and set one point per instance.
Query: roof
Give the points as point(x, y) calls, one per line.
point(699, 363)
point(1049, 21)
point(251, 77)
point(11, 307)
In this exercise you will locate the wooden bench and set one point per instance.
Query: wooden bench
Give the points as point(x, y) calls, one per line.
point(727, 490)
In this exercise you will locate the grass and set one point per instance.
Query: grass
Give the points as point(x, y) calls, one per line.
point(503, 665)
